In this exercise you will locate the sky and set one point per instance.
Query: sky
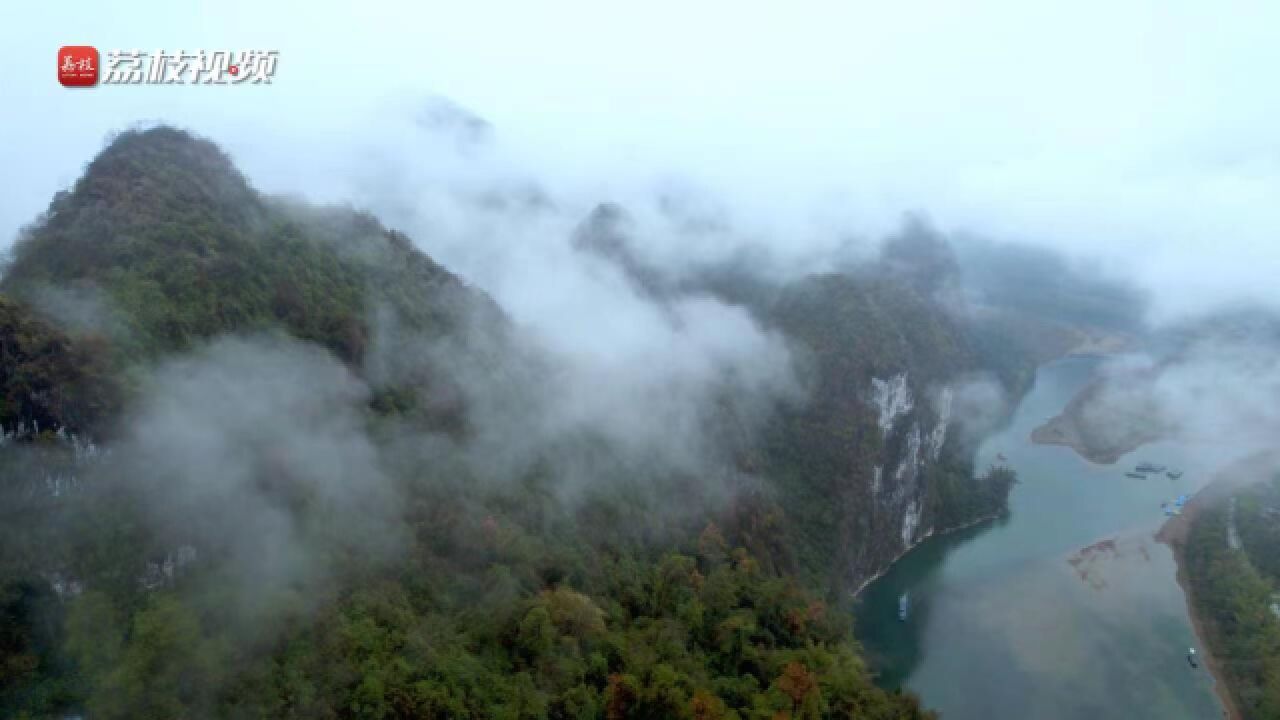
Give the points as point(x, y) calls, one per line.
point(1140, 134)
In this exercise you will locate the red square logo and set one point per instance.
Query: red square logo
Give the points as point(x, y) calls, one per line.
point(78, 65)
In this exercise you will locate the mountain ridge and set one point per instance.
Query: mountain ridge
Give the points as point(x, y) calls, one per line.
point(417, 584)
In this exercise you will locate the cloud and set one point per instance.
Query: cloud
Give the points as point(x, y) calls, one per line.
point(489, 132)
point(255, 452)
point(592, 367)
point(1212, 384)
point(1151, 149)
point(1223, 392)
point(80, 309)
point(978, 403)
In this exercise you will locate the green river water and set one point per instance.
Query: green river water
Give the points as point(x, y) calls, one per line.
point(1010, 620)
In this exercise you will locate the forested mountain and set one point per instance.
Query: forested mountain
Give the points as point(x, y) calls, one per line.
point(1042, 283)
point(264, 481)
point(162, 244)
point(50, 380)
point(874, 461)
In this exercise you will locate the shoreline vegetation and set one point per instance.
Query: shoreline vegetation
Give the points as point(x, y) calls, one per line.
point(1175, 533)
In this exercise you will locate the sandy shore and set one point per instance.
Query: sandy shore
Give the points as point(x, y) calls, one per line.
point(1129, 426)
point(1102, 342)
point(1070, 428)
point(1174, 534)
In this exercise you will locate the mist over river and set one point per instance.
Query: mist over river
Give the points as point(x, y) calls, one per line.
point(1067, 607)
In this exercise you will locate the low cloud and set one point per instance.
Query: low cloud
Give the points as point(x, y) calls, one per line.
point(978, 404)
point(256, 452)
point(1215, 385)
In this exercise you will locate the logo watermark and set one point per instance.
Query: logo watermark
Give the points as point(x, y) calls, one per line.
point(78, 66)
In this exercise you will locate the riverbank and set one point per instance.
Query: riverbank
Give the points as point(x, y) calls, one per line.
point(1174, 533)
point(931, 534)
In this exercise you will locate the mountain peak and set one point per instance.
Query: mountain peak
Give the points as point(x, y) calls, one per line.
point(151, 170)
point(172, 237)
point(154, 189)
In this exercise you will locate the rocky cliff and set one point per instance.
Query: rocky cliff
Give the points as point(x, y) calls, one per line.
point(875, 462)
point(871, 460)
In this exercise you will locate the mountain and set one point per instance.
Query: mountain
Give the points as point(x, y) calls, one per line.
point(874, 460)
point(184, 248)
point(1042, 284)
point(878, 459)
point(256, 490)
point(165, 236)
point(606, 235)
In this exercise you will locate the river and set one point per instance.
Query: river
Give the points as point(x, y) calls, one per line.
point(1012, 620)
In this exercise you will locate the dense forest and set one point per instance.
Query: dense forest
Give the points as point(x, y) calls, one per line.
point(248, 470)
point(1234, 591)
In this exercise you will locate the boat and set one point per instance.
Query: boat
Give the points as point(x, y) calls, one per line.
point(1174, 474)
point(1191, 658)
point(903, 603)
point(1139, 476)
point(1147, 467)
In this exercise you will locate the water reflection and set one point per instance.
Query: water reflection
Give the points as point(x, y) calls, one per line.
point(897, 645)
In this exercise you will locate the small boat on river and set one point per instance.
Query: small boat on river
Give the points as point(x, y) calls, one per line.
point(903, 604)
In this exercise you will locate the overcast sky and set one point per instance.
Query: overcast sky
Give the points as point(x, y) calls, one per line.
point(1146, 134)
